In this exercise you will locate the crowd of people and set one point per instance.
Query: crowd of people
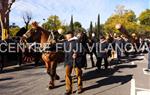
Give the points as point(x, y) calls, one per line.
point(76, 46)
point(109, 48)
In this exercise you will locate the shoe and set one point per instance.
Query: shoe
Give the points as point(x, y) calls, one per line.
point(67, 93)
point(80, 91)
point(106, 67)
point(99, 68)
point(93, 65)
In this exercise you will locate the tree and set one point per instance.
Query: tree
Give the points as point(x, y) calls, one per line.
point(27, 16)
point(52, 23)
point(71, 24)
point(120, 10)
point(144, 20)
point(98, 26)
point(144, 17)
point(127, 19)
point(5, 8)
point(91, 29)
point(77, 25)
point(14, 30)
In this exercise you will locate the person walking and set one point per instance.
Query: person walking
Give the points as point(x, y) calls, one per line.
point(73, 62)
point(102, 53)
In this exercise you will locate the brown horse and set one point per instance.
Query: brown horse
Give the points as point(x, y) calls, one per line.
point(50, 58)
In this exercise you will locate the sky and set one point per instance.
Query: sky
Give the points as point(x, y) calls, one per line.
point(83, 11)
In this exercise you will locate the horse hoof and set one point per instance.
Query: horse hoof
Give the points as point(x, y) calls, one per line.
point(50, 87)
point(57, 77)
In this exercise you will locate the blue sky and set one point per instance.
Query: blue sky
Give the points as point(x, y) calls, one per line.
point(83, 11)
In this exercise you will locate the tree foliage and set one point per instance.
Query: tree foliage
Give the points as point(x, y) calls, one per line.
point(144, 17)
point(77, 24)
point(127, 19)
point(52, 23)
point(14, 30)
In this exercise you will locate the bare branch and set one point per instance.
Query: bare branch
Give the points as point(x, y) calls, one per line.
point(24, 19)
point(27, 16)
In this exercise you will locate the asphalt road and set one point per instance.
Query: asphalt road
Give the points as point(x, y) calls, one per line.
point(127, 78)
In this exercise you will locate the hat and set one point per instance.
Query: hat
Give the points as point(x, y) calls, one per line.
point(102, 37)
point(68, 32)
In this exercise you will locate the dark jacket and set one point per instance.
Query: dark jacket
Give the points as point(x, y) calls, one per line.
point(69, 46)
point(117, 45)
point(102, 52)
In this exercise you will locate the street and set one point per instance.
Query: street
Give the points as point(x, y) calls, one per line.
point(127, 78)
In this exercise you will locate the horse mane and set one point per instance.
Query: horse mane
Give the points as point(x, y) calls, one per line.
point(50, 33)
point(42, 29)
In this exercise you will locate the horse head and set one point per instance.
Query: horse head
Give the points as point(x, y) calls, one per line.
point(33, 34)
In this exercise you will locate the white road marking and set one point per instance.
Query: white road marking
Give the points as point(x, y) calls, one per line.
point(143, 89)
point(132, 89)
point(143, 93)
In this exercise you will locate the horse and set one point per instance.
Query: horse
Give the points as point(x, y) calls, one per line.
point(51, 58)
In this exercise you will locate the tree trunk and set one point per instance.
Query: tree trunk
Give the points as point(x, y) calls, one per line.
point(4, 19)
point(27, 24)
point(7, 23)
point(4, 27)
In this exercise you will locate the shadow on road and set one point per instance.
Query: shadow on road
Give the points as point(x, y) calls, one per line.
point(98, 73)
point(109, 74)
point(20, 68)
point(105, 73)
point(4, 79)
point(110, 80)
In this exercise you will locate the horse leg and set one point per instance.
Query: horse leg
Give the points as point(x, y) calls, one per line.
point(52, 73)
point(54, 66)
point(53, 70)
point(49, 70)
